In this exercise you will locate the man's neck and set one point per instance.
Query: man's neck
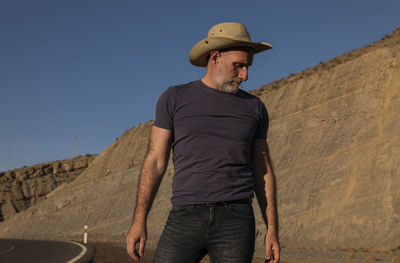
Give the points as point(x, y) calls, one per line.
point(210, 82)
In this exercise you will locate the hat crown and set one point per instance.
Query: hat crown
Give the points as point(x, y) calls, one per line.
point(230, 30)
point(224, 36)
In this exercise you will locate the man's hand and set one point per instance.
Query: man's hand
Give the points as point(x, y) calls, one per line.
point(272, 249)
point(137, 235)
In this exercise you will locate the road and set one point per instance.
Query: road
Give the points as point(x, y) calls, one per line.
point(40, 251)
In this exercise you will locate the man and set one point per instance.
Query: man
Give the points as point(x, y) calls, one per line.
point(218, 136)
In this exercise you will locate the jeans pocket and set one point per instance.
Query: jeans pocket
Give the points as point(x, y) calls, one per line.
point(180, 210)
point(242, 210)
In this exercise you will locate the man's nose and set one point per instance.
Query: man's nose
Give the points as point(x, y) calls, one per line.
point(243, 73)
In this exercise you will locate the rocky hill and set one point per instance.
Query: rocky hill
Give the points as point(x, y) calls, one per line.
point(335, 145)
point(24, 187)
point(334, 141)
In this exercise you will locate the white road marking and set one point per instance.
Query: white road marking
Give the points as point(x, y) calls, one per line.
point(7, 250)
point(83, 252)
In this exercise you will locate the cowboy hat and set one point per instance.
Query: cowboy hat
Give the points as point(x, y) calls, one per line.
point(222, 36)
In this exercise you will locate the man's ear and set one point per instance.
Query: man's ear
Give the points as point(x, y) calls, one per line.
point(214, 56)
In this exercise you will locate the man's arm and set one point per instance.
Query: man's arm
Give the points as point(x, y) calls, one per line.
point(265, 193)
point(154, 167)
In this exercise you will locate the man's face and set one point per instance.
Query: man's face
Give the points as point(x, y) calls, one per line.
point(232, 69)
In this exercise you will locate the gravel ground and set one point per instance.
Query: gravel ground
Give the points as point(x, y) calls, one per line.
point(107, 252)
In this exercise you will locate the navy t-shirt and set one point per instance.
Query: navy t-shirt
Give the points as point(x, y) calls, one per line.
point(212, 136)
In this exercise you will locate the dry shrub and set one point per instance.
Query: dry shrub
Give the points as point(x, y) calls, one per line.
point(351, 255)
point(299, 247)
point(371, 257)
point(384, 251)
point(342, 249)
point(396, 260)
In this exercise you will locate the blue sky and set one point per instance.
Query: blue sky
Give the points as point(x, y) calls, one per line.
point(97, 67)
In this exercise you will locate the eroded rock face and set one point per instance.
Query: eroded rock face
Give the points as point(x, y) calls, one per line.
point(334, 143)
point(335, 146)
point(24, 187)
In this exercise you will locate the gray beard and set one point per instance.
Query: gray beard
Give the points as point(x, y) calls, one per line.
point(229, 86)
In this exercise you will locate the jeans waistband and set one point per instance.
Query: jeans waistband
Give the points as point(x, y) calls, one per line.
point(226, 203)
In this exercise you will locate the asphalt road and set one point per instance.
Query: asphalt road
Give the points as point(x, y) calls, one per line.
point(40, 251)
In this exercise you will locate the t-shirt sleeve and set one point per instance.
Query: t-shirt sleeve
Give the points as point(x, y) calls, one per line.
point(165, 110)
point(262, 128)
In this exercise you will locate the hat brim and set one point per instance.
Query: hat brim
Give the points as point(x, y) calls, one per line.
point(199, 53)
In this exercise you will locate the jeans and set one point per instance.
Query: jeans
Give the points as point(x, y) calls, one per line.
point(223, 231)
